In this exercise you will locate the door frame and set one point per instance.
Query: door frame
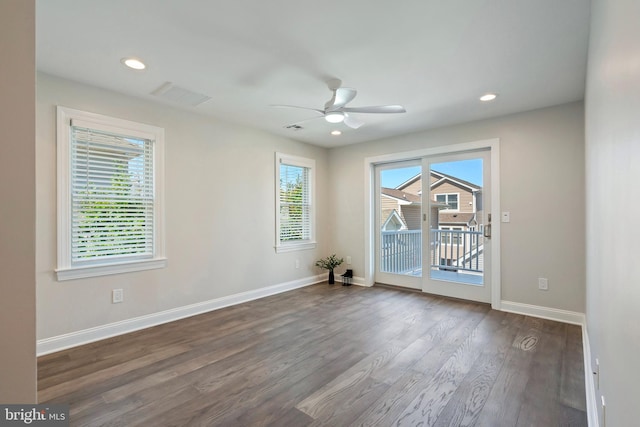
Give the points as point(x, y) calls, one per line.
point(369, 203)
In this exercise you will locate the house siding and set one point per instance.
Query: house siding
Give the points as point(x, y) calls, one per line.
point(387, 206)
point(413, 188)
point(412, 216)
point(465, 198)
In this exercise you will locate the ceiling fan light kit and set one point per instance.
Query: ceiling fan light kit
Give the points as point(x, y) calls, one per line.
point(334, 117)
point(336, 111)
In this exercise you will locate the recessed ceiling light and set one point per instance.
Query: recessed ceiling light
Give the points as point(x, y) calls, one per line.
point(134, 63)
point(488, 97)
point(334, 117)
point(336, 132)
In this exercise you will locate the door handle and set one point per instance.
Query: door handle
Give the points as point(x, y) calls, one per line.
point(487, 231)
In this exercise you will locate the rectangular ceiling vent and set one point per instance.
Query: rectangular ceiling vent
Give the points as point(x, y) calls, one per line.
point(178, 95)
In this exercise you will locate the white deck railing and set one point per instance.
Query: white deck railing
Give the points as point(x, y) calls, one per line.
point(401, 251)
point(457, 250)
point(452, 250)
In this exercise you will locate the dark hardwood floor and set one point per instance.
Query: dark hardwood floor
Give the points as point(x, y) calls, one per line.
point(329, 356)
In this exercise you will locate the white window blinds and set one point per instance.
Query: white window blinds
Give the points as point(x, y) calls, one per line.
point(112, 196)
point(295, 203)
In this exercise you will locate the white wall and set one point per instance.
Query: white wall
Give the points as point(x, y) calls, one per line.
point(17, 205)
point(542, 170)
point(220, 214)
point(613, 204)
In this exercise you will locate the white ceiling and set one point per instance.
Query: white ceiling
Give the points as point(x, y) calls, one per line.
point(434, 57)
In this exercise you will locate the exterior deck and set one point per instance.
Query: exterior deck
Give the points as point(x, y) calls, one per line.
point(456, 255)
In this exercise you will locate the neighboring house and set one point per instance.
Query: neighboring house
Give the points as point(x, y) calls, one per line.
point(458, 204)
point(401, 210)
point(456, 207)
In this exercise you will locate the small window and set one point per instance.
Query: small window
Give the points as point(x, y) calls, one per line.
point(109, 195)
point(450, 199)
point(295, 211)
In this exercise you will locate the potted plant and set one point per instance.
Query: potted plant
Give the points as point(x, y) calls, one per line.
point(329, 263)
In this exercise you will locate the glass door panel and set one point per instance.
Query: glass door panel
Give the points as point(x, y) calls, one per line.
point(399, 224)
point(457, 234)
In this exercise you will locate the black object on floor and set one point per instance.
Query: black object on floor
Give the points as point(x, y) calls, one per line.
point(347, 278)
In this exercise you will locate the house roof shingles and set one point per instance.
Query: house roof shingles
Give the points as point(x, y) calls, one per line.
point(455, 218)
point(401, 195)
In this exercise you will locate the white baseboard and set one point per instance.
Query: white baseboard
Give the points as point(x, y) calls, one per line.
point(593, 419)
point(564, 316)
point(74, 339)
point(355, 281)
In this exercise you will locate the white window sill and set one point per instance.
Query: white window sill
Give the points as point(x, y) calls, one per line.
point(104, 270)
point(291, 247)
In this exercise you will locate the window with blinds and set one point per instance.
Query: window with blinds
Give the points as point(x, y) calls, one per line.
point(294, 201)
point(110, 195)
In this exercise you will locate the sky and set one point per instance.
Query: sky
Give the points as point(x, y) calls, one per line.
point(469, 170)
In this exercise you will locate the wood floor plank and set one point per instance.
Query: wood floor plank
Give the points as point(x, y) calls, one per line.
point(467, 402)
point(280, 395)
point(85, 381)
point(389, 406)
point(503, 405)
point(572, 372)
point(346, 384)
point(431, 401)
point(328, 356)
point(543, 405)
point(343, 411)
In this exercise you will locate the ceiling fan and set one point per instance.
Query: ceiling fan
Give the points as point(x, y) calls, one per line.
point(336, 111)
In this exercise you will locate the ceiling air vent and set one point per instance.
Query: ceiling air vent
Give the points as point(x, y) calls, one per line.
point(294, 127)
point(178, 95)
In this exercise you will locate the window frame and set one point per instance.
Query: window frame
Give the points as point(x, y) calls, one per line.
point(446, 196)
point(66, 268)
point(297, 161)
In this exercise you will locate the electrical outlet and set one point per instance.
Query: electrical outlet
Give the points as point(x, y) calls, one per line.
point(117, 296)
point(297, 263)
point(543, 284)
point(348, 260)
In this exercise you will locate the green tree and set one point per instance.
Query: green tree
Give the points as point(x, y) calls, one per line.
point(293, 207)
point(110, 219)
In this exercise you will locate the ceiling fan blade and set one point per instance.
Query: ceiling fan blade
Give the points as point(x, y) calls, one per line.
point(295, 106)
point(352, 122)
point(376, 109)
point(342, 96)
point(303, 121)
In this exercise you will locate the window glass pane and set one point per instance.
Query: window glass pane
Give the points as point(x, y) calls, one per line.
point(111, 196)
point(452, 200)
point(295, 218)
